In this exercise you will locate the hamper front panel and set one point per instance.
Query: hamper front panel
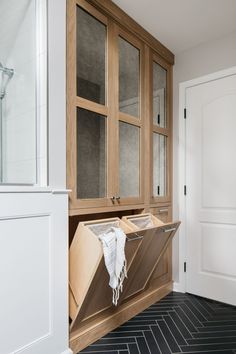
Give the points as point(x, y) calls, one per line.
point(154, 244)
point(98, 296)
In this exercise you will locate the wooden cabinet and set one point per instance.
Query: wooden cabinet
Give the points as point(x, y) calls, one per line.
point(118, 113)
point(90, 294)
point(119, 160)
point(105, 130)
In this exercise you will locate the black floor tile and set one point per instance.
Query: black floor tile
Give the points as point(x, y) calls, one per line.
point(151, 343)
point(215, 334)
point(160, 339)
point(179, 323)
point(174, 330)
point(211, 340)
point(104, 348)
point(124, 334)
point(168, 336)
point(204, 347)
point(133, 348)
point(142, 344)
point(185, 319)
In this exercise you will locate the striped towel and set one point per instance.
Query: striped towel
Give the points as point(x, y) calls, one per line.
point(113, 242)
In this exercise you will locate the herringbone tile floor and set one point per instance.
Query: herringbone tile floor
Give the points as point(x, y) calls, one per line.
point(180, 323)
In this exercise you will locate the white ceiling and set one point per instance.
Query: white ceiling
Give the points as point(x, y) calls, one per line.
point(183, 24)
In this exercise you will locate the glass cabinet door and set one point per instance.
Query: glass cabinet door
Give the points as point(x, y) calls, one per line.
point(129, 78)
point(88, 165)
point(159, 95)
point(91, 38)
point(91, 155)
point(160, 132)
point(159, 165)
point(130, 119)
point(129, 161)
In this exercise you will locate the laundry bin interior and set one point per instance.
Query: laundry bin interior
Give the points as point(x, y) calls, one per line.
point(142, 221)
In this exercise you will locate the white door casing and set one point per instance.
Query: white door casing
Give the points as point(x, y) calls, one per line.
point(208, 237)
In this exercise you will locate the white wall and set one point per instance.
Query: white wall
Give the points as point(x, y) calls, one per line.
point(57, 93)
point(19, 103)
point(202, 60)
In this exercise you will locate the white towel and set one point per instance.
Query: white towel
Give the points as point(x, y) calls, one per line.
point(113, 242)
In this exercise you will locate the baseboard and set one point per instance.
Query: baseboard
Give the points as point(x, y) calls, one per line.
point(67, 351)
point(81, 338)
point(178, 287)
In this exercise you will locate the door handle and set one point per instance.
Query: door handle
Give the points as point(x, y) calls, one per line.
point(138, 237)
point(162, 211)
point(169, 230)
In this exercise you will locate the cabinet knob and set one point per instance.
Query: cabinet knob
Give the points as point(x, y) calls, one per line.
point(118, 198)
point(113, 199)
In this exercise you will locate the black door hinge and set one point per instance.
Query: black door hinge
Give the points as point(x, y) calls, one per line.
point(185, 267)
point(185, 113)
point(185, 190)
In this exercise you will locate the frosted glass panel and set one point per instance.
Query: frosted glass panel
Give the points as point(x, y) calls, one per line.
point(128, 78)
point(91, 57)
point(159, 95)
point(91, 154)
point(159, 165)
point(129, 159)
point(18, 68)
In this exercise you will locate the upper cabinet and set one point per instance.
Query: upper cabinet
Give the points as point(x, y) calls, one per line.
point(109, 114)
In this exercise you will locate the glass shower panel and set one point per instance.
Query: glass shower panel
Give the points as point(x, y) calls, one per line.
point(91, 57)
point(129, 146)
point(91, 155)
point(18, 102)
point(159, 165)
point(129, 80)
point(159, 95)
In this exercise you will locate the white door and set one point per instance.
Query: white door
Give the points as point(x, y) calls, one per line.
point(211, 189)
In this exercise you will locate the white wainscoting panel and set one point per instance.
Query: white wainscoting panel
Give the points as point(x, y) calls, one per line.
point(33, 273)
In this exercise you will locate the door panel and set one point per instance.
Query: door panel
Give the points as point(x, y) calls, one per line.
point(223, 238)
point(211, 192)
